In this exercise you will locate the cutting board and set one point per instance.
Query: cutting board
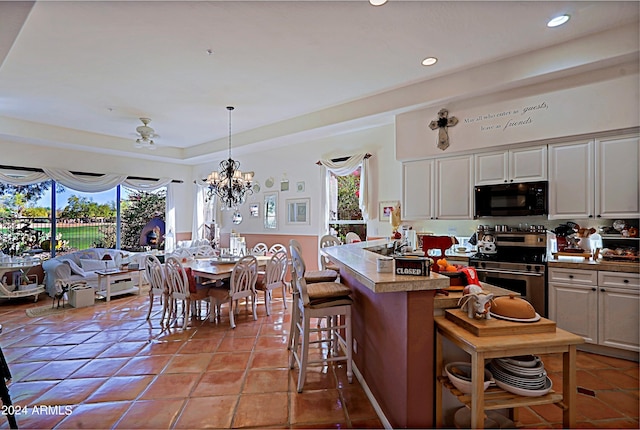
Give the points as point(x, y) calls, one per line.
point(498, 327)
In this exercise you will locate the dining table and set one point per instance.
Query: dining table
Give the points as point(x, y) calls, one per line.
point(216, 268)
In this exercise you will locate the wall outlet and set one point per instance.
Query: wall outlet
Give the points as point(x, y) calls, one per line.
point(355, 346)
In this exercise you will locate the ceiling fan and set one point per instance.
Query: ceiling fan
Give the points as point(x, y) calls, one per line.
point(146, 134)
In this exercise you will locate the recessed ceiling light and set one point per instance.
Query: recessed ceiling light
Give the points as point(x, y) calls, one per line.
point(377, 2)
point(558, 20)
point(429, 61)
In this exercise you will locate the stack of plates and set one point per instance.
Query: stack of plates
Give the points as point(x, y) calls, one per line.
point(523, 375)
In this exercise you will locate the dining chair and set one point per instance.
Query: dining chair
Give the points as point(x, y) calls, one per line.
point(273, 277)
point(205, 251)
point(325, 262)
point(330, 300)
point(182, 289)
point(242, 284)
point(259, 249)
point(277, 247)
point(352, 237)
point(154, 273)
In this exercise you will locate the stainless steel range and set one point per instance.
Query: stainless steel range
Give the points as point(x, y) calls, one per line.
point(518, 264)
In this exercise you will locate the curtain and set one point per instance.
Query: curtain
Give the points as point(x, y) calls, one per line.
point(205, 213)
point(85, 184)
point(33, 178)
point(343, 168)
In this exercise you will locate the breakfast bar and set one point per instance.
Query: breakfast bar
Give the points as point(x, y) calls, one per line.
point(393, 326)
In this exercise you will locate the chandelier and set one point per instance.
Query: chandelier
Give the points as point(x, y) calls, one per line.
point(229, 184)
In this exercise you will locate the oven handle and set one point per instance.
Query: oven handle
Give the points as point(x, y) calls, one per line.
point(509, 272)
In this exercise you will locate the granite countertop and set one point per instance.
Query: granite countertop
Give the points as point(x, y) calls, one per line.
point(363, 265)
point(582, 264)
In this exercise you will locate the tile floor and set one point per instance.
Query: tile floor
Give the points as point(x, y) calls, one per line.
point(107, 367)
point(112, 369)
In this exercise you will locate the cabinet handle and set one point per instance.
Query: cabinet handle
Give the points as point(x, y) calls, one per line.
point(626, 281)
point(590, 216)
point(599, 216)
point(602, 290)
point(570, 276)
point(594, 289)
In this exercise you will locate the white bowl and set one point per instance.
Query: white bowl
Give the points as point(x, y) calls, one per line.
point(461, 383)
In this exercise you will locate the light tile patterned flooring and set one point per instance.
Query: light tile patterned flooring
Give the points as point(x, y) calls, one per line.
point(115, 370)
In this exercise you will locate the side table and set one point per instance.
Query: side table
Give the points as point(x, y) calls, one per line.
point(481, 348)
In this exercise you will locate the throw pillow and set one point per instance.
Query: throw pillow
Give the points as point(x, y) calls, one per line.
point(90, 265)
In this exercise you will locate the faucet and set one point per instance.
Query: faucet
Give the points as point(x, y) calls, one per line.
point(398, 245)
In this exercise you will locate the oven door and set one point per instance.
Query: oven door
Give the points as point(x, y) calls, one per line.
point(530, 286)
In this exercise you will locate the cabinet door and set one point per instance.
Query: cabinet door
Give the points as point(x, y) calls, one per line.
point(618, 182)
point(528, 164)
point(454, 183)
point(571, 184)
point(491, 168)
point(417, 186)
point(575, 309)
point(618, 318)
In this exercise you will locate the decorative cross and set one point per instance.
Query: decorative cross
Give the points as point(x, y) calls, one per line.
point(442, 123)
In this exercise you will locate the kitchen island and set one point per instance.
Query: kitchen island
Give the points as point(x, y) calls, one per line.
point(393, 332)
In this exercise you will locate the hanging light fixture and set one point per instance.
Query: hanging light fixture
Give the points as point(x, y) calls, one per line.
point(146, 134)
point(229, 184)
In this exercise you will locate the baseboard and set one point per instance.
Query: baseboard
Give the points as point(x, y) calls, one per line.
point(383, 419)
point(609, 352)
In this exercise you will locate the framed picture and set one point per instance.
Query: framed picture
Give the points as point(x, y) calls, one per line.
point(385, 210)
point(254, 210)
point(271, 210)
point(284, 185)
point(298, 211)
point(300, 186)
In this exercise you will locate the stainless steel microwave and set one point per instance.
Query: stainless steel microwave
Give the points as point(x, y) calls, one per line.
point(514, 199)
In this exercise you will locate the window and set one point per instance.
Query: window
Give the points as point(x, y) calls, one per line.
point(344, 211)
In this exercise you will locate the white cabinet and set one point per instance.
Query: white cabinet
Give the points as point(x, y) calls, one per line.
point(571, 183)
point(595, 178)
point(516, 165)
point(618, 308)
point(573, 301)
point(617, 179)
point(454, 185)
point(600, 306)
point(417, 186)
point(438, 188)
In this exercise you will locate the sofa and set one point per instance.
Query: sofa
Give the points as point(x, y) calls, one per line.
point(81, 266)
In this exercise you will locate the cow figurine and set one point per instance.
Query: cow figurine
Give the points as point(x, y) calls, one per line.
point(477, 305)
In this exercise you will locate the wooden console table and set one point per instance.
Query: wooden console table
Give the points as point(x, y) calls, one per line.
point(481, 348)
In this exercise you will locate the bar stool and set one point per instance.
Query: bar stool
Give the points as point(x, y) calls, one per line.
point(314, 276)
point(320, 300)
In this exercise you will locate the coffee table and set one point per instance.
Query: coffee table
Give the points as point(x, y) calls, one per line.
point(109, 276)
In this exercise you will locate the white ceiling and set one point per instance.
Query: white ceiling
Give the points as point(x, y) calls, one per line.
point(81, 73)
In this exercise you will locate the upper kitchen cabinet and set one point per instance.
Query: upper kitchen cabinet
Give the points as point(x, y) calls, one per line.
point(438, 188)
point(515, 165)
point(617, 179)
point(595, 178)
point(417, 190)
point(454, 185)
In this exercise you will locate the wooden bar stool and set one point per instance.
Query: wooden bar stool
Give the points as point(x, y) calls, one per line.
point(320, 300)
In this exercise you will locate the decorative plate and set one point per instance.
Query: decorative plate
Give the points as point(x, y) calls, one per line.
point(619, 224)
point(256, 187)
point(269, 182)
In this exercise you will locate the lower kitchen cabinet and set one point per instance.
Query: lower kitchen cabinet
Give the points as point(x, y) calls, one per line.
point(600, 306)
